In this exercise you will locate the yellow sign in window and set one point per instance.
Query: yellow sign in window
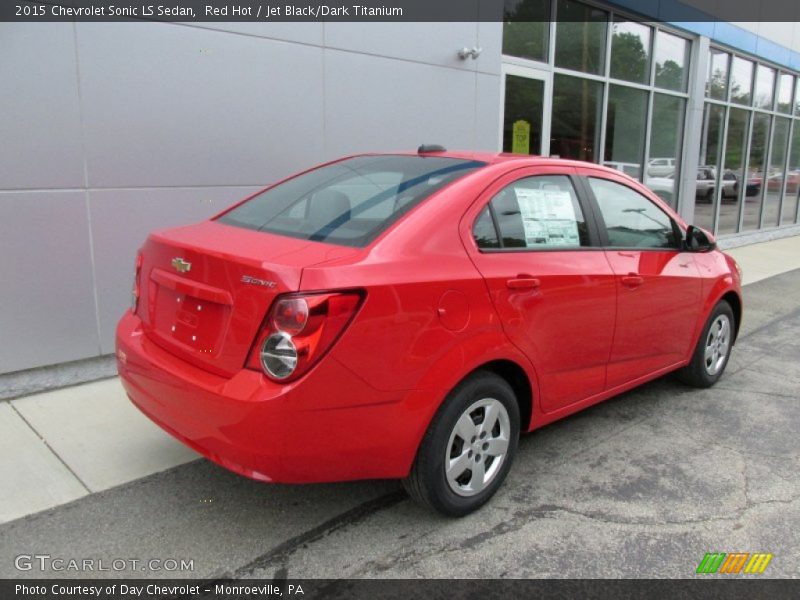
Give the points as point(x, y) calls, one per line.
point(521, 137)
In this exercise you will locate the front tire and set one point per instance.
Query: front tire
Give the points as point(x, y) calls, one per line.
point(713, 349)
point(468, 448)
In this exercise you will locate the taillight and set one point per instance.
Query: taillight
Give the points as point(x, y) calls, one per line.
point(136, 288)
point(299, 329)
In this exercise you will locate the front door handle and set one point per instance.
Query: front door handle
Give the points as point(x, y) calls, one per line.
point(632, 281)
point(523, 282)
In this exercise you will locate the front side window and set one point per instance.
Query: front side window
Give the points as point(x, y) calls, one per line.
point(540, 212)
point(631, 219)
point(349, 202)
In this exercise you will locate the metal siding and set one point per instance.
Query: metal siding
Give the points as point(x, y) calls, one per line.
point(167, 116)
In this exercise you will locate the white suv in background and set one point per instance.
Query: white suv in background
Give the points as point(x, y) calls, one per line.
point(660, 167)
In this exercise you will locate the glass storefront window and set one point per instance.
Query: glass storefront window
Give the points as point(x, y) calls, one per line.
point(741, 80)
point(575, 127)
point(526, 28)
point(665, 146)
point(776, 175)
point(733, 180)
point(797, 98)
point(792, 179)
point(710, 160)
point(630, 51)
point(717, 79)
point(765, 87)
point(785, 88)
point(672, 61)
point(756, 171)
point(625, 125)
point(522, 118)
point(580, 37)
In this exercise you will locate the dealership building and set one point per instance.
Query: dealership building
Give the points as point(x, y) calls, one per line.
point(111, 130)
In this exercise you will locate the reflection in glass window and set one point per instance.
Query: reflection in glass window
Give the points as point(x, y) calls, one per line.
point(484, 232)
point(630, 51)
point(717, 80)
point(625, 125)
point(792, 180)
point(765, 86)
point(741, 80)
point(672, 61)
point(631, 220)
point(775, 177)
point(526, 28)
point(540, 212)
point(580, 37)
point(733, 172)
point(710, 159)
point(575, 127)
point(756, 171)
point(797, 98)
point(785, 88)
point(665, 147)
point(522, 118)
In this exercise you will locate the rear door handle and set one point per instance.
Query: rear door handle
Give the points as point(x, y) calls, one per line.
point(523, 282)
point(632, 281)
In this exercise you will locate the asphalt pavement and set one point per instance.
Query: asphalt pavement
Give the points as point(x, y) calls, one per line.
point(642, 485)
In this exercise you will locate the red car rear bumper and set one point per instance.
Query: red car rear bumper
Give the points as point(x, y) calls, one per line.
point(328, 426)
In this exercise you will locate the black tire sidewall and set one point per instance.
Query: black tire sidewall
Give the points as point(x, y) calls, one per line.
point(432, 452)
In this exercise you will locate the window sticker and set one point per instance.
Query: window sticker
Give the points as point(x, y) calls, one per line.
point(548, 217)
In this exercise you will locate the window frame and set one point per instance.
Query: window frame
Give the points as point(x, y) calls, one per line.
point(511, 177)
point(677, 229)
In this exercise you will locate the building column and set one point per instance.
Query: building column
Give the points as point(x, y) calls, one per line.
point(693, 128)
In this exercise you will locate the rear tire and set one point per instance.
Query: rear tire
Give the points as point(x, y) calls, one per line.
point(713, 349)
point(468, 448)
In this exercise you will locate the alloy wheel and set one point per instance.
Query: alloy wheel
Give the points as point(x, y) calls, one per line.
point(477, 447)
point(718, 344)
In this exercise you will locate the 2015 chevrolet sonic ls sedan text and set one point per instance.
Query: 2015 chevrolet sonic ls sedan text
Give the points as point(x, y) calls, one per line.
point(408, 315)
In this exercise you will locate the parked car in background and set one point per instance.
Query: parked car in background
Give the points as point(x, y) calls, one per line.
point(775, 182)
point(663, 187)
point(410, 315)
point(660, 167)
point(706, 183)
point(730, 184)
point(632, 169)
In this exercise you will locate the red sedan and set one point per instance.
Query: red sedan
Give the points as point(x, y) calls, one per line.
point(409, 315)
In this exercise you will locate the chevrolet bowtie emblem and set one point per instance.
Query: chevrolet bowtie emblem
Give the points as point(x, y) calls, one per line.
point(180, 265)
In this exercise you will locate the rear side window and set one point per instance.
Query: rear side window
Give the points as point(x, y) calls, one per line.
point(349, 202)
point(631, 219)
point(540, 212)
point(484, 231)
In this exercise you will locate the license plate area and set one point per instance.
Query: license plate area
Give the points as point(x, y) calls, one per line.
point(191, 322)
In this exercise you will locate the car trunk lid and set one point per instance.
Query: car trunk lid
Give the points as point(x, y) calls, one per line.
point(206, 288)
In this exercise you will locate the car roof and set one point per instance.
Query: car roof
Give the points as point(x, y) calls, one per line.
point(492, 158)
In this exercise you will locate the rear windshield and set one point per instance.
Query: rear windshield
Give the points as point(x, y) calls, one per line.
point(349, 202)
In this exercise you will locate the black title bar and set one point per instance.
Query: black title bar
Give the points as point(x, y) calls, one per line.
point(370, 10)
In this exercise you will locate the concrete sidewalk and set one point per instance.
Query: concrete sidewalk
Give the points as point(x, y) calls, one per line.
point(61, 445)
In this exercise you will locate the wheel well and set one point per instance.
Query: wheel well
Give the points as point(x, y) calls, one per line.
point(519, 382)
point(733, 299)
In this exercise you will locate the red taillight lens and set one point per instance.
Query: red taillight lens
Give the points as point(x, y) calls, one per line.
point(136, 288)
point(299, 329)
point(290, 315)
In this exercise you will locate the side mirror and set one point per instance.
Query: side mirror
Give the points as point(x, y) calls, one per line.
point(698, 240)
